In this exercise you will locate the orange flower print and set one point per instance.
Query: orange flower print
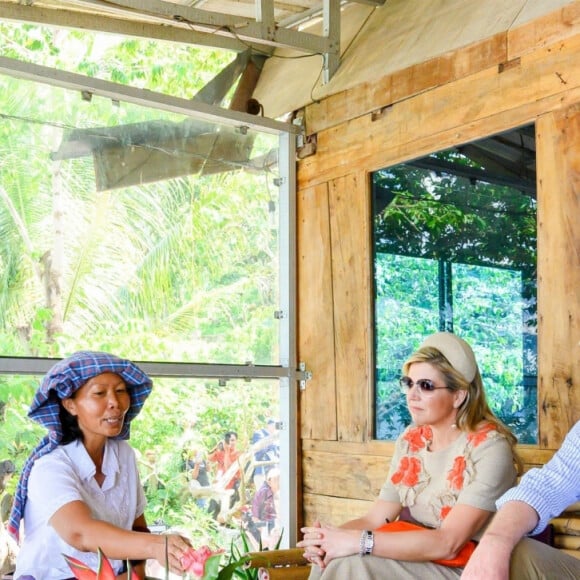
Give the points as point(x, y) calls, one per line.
point(481, 435)
point(444, 511)
point(456, 473)
point(408, 472)
point(441, 504)
point(417, 437)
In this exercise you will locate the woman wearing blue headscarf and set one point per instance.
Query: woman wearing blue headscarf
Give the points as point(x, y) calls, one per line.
point(80, 490)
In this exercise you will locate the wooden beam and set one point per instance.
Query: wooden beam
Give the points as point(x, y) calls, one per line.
point(482, 104)
point(558, 158)
point(83, 20)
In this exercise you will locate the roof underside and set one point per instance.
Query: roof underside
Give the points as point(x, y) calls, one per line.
point(346, 42)
point(374, 38)
point(228, 24)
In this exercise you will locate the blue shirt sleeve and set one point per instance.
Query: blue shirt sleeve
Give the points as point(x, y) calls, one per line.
point(551, 489)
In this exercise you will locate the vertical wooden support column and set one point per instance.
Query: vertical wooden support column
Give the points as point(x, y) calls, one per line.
point(558, 158)
point(315, 314)
point(351, 257)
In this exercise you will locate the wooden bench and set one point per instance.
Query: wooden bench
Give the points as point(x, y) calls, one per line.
point(286, 564)
point(567, 530)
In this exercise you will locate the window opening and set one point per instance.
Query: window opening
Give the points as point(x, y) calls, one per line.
point(162, 232)
point(455, 250)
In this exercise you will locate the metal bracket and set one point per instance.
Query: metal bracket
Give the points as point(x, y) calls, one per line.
point(306, 375)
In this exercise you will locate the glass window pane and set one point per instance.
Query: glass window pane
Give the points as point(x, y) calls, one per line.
point(455, 249)
point(129, 229)
point(153, 235)
point(182, 422)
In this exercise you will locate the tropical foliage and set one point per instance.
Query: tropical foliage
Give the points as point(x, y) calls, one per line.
point(179, 269)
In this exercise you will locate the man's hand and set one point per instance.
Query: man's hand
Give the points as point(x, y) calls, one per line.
point(490, 561)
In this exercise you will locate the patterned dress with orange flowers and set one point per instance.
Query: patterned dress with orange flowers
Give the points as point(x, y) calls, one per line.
point(475, 470)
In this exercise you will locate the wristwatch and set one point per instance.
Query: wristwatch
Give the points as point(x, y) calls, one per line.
point(367, 543)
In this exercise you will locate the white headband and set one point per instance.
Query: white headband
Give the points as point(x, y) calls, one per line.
point(456, 351)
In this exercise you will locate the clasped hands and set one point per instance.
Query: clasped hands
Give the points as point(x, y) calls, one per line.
point(322, 544)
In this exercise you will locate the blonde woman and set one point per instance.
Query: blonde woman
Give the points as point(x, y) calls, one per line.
point(448, 469)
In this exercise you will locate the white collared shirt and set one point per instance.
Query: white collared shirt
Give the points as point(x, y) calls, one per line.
point(65, 475)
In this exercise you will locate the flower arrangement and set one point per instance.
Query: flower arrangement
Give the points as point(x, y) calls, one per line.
point(104, 570)
point(200, 564)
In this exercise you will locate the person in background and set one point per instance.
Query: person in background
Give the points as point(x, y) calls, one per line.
point(543, 493)
point(224, 456)
point(267, 451)
point(264, 503)
point(80, 488)
point(447, 471)
point(149, 472)
point(197, 468)
point(8, 547)
point(7, 470)
point(198, 476)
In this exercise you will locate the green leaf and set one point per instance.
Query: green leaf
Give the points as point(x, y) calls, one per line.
point(228, 571)
point(212, 566)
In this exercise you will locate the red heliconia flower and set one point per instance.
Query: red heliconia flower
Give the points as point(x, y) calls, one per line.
point(104, 572)
point(80, 570)
point(193, 561)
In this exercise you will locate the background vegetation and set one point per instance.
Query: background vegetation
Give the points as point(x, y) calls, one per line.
point(183, 270)
point(460, 255)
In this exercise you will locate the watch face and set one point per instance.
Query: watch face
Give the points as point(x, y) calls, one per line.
point(369, 542)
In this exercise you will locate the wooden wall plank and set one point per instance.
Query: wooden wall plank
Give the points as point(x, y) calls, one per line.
point(333, 510)
point(402, 84)
point(315, 314)
point(548, 29)
point(541, 81)
point(558, 159)
point(374, 447)
point(340, 481)
point(350, 241)
point(533, 456)
point(358, 477)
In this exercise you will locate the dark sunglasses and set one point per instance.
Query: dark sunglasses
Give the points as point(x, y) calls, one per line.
point(425, 385)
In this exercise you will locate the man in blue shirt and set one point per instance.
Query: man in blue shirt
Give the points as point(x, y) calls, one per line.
point(527, 509)
point(266, 451)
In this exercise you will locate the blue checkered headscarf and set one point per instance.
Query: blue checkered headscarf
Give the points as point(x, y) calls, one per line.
point(63, 380)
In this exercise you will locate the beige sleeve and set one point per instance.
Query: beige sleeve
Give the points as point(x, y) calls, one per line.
point(388, 490)
point(491, 473)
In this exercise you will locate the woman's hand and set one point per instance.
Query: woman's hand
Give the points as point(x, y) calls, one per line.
point(172, 548)
point(311, 544)
point(325, 543)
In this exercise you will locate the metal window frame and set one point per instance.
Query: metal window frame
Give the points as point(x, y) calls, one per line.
point(287, 372)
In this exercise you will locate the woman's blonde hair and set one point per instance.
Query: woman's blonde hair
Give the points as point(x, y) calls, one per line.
point(474, 409)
